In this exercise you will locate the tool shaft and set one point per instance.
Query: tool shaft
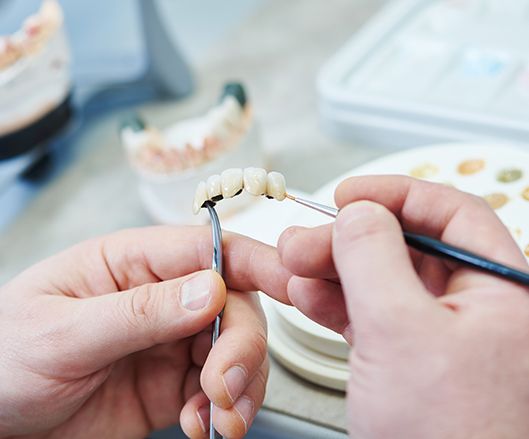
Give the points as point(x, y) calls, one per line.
point(434, 247)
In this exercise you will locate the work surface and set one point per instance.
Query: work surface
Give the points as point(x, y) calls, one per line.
point(277, 54)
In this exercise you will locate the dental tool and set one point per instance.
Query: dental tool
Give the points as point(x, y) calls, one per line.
point(216, 265)
point(434, 247)
point(257, 182)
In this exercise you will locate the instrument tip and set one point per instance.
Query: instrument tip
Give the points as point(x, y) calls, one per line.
point(291, 197)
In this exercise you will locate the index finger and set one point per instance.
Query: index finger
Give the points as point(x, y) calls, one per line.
point(134, 257)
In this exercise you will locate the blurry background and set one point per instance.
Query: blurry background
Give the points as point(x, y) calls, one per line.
point(107, 40)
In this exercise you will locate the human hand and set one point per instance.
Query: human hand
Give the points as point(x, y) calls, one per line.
point(439, 350)
point(111, 338)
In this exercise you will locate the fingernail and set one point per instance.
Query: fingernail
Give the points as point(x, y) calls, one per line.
point(235, 381)
point(244, 406)
point(195, 293)
point(353, 212)
point(203, 418)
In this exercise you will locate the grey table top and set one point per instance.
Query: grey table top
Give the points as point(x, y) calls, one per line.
point(277, 53)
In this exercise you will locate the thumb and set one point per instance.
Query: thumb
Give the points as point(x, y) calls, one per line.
point(115, 325)
point(378, 279)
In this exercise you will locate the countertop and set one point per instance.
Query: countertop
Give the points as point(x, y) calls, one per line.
point(276, 53)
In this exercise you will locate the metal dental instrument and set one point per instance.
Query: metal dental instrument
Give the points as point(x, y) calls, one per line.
point(217, 266)
point(438, 248)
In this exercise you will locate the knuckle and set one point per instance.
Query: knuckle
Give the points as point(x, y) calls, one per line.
point(141, 306)
point(261, 379)
point(260, 346)
point(142, 302)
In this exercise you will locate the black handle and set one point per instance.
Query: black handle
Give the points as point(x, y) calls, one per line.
point(438, 248)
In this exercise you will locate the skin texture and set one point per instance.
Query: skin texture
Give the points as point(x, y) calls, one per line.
point(97, 341)
point(439, 351)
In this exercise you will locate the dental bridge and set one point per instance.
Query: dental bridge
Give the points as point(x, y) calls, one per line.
point(232, 182)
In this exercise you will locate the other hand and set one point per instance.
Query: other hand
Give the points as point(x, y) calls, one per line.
point(439, 350)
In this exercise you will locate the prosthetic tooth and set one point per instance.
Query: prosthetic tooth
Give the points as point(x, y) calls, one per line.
point(255, 181)
point(201, 196)
point(276, 186)
point(214, 188)
point(231, 182)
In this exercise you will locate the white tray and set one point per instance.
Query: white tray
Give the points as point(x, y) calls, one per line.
point(427, 71)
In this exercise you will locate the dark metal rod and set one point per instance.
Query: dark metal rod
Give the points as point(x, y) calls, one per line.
point(216, 265)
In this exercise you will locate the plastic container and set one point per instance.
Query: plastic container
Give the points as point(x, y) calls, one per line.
point(426, 71)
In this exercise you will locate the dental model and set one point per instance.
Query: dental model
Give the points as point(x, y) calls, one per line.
point(10, 52)
point(39, 28)
point(192, 142)
point(232, 182)
point(35, 75)
point(35, 33)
